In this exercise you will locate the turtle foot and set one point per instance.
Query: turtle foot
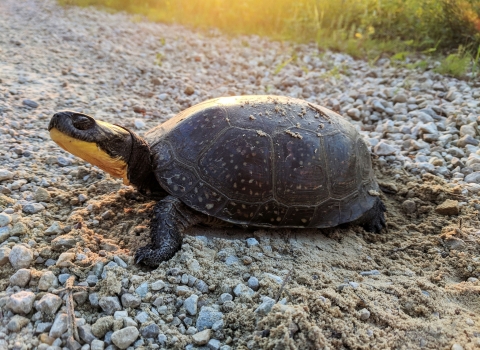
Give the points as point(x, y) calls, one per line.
point(374, 219)
point(151, 256)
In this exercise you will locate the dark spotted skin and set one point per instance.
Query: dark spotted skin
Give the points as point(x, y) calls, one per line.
point(263, 161)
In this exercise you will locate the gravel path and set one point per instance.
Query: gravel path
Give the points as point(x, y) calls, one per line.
point(68, 231)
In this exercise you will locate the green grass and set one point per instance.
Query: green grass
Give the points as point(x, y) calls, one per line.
point(362, 28)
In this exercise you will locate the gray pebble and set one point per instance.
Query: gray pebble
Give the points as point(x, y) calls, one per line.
point(17, 323)
point(217, 326)
point(265, 307)
point(85, 333)
point(201, 286)
point(43, 327)
point(33, 208)
point(253, 283)
point(150, 331)
point(252, 242)
point(224, 298)
point(92, 280)
point(30, 103)
point(370, 273)
point(20, 256)
point(364, 314)
point(124, 337)
point(243, 290)
point(162, 339)
point(48, 304)
point(5, 219)
point(5, 175)
point(4, 255)
point(207, 317)
point(20, 278)
point(142, 290)
point(109, 304)
point(93, 298)
point(97, 344)
point(142, 317)
point(158, 285)
point(213, 344)
point(473, 178)
point(59, 326)
point(130, 301)
point(63, 277)
point(190, 304)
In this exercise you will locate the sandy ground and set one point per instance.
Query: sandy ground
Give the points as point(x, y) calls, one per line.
point(414, 286)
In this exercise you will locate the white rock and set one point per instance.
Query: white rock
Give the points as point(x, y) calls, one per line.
point(5, 175)
point(384, 149)
point(20, 278)
point(59, 326)
point(54, 229)
point(20, 257)
point(21, 302)
point(202, 338)
point(47, 280)
point(124, 337)
point(5, 219)
point(48, 304)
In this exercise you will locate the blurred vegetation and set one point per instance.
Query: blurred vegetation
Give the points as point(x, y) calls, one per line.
point(361, 28)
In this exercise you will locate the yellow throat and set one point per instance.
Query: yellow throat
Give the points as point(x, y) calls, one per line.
point(90, 152)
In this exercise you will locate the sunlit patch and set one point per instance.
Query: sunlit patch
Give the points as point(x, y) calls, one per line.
point(90, 152)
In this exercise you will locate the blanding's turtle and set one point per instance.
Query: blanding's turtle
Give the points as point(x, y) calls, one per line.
point(260, 161)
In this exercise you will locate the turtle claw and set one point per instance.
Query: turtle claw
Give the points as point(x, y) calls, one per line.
point(374, 219)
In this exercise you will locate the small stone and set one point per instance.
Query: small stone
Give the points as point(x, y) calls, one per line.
point(370, 273)
point(384, 149)
point(456, 346)
point(354, 113)
point(85, 333)
point(243, 290)
point(201, 286)
point(120, 262)
point(202, 338)
point(225, 297)
point(207, 317)
point(158, 285)
point(97, 344)
point(162, 339)
point(468, 130)
point(109, 304)
point(92, 280)
point(30, 103)
point(189, 90)
point(20, 278)
point(252, 242)
point(139, 123)
point(400, 98)
point(265, 307)
point(21, 302)
point(364, 314)
point(142, 317)
point(190, 304)
point(93, 299)
point(276, 278)
point(5, 175)
point(231, 260)
point(63, 277)
point(59, 326)
point(17, 323)
point(213, 344)
point(48, 304)
point(5, 219)
point(473, 178)
point(64, 242)
point(130, 301)
point(409, 206)
point(4, 255)
point(449, 207)
point(124, 337)
point(182, 290)
point(42, 195)
point(150, 331)
point(20, 257)
point(128, 321)
point(467, 140)
point(470, 322)
point(54, 229)
point(142, 290)
point(33, 208)
point(43, 327)
point(162, 97)
point(454, 243)
point(253, 283)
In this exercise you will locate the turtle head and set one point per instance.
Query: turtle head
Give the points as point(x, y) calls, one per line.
point(114, 149)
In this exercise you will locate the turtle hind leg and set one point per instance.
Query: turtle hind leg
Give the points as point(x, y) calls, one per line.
point(170, 219)
point(374, 219)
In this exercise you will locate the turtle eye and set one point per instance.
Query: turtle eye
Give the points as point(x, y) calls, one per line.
point(82, 122)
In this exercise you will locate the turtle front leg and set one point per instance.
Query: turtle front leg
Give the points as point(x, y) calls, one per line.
point(170, 219)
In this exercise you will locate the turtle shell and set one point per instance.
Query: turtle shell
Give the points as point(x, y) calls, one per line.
point(265, 161)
